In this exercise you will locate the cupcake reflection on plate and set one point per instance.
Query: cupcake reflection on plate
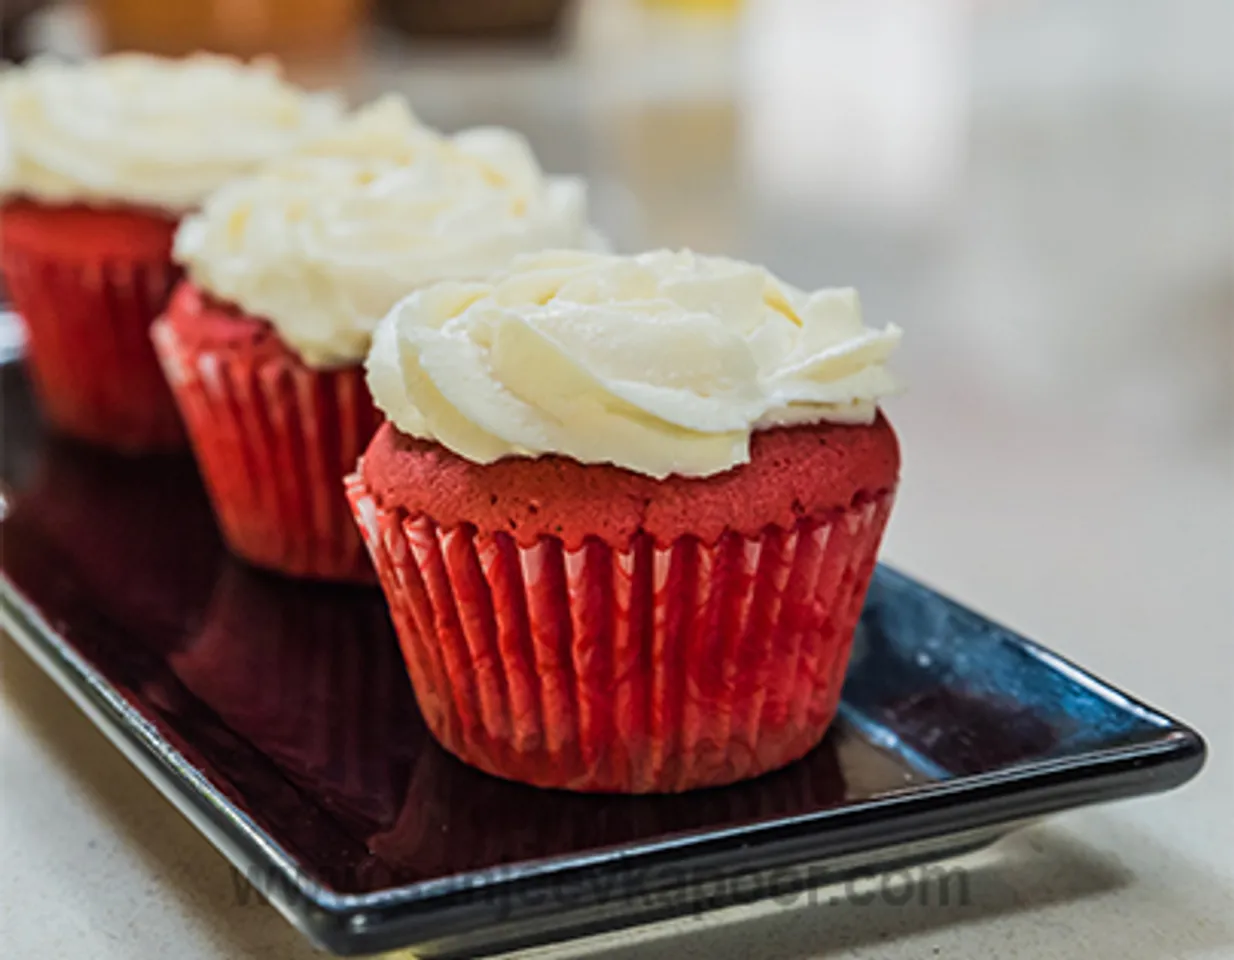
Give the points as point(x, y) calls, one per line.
point(290, 271)
point(130, 540)
point(455, 818)
point(310, 676)
point(98, 162)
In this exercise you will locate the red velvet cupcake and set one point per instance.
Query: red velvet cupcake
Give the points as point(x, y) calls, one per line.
point(291, 269)
point(87, 219)
point(272, 437)
point(626, 513)
point(88, 283)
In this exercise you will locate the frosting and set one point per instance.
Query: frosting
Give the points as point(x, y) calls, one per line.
point(147, 131)
point(663, 363)
point(324, 242)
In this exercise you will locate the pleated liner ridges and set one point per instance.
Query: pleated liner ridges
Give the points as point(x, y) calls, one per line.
point(274, 440)
point(646, 669)
point(88, 336)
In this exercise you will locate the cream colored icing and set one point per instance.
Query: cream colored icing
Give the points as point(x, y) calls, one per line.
point(662, 363)
point(147, 131)
point(324, 242)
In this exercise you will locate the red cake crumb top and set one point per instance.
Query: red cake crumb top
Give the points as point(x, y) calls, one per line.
point(793, 472)
point(78, 233)
point(203, 323)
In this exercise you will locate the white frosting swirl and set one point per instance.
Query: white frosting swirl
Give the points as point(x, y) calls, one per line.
point(322, 244)
point(147, 131)
point(663, 363)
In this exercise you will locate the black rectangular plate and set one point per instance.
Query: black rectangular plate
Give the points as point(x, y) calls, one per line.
point(277, 716)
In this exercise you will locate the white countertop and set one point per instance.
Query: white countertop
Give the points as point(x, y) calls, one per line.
point(1040, 193)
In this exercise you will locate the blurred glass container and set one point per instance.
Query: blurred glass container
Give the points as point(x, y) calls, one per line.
point(856, 108)
point(290, 28)
point(477, 18)
point(666, 120)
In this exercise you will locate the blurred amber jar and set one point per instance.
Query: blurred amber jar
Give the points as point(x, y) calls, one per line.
point(242, 27)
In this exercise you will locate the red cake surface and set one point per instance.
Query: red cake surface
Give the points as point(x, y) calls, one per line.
point(80, 233)
point(793, 472)
point(205, 324)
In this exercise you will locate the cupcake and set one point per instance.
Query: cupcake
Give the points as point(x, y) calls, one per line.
point(98, 163)
point(625, 512)
point(289, 272)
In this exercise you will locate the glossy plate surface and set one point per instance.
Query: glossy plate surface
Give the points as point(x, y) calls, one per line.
point(278, 717)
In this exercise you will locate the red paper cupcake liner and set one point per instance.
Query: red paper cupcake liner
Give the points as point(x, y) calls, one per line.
point(650, 668)
point(273, 439)
point(88, 344)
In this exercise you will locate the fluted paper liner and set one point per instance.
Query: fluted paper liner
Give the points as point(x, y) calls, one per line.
point(88, 345)
point(274, 439)
point(648, 668)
